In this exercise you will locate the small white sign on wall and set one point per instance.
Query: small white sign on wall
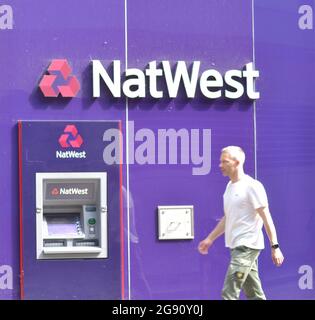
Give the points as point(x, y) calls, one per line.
point(176, 222)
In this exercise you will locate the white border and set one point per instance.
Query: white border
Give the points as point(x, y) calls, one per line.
point(45, 253)
point(160, 222)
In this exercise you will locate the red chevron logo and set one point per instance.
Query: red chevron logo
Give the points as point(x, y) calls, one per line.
point(55, 192)
point(70, 137)
point(59, 80)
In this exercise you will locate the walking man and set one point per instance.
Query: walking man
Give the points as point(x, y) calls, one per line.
point(245, 212)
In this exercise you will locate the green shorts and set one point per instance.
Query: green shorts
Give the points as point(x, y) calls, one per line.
point(243, 274)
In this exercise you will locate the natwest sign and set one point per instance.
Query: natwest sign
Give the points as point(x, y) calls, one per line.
point(64, 191)
point(61, 191)
point(59, 80)
point(136, 83)
point(212, 84)
point(70, 139)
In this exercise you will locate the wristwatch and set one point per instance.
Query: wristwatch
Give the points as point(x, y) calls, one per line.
point(275, 246)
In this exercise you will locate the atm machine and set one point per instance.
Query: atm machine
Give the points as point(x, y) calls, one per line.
point(71, 244)
point(71, 215)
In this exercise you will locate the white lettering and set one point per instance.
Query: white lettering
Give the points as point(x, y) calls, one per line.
point(6, 17)
point(74, 191)
point(230, 81)
point(145, 152)
point(100, 72)
point(70, 154)
point(152, 72)
point(111, 153)
point(137, 80)
point(206, 84)
point(250, 74)
point(204, 159)
point(306, 281)
point(306, 18)
point(129, 310)
point(211, 81)
point(6, 277)
point(181, 73)
point(171, 135)
point(172, 146)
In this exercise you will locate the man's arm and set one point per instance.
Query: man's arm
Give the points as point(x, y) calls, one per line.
point(276, 254)
point(215, 233)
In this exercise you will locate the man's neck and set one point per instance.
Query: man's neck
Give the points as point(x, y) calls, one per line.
point(237, 176)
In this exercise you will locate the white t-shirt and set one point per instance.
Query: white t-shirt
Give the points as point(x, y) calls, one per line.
point(243, 225)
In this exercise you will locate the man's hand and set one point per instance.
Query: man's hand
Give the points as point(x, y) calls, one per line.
point(204, 245)
point(277, 257)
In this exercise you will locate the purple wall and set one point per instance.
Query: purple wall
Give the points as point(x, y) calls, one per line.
point(187, 32)
point(43, 32)
point(219, 34)
point(285, 130)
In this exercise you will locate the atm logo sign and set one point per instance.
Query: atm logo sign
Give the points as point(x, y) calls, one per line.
point(69, 191)
point(70, 138)
point(55, 192)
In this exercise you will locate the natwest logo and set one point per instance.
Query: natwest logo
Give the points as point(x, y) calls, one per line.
point(70, 154)
point(70, 138)
point(66, 191)
point(59, 80)
point(136, 83)
point(55, 192)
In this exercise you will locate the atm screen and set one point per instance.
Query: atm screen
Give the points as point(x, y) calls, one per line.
point(63, 224)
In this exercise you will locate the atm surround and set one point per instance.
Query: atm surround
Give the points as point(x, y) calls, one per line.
point(82, 197)
point(71, 215)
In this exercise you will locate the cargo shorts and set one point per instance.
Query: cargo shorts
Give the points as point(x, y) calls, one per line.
point(243, 274)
